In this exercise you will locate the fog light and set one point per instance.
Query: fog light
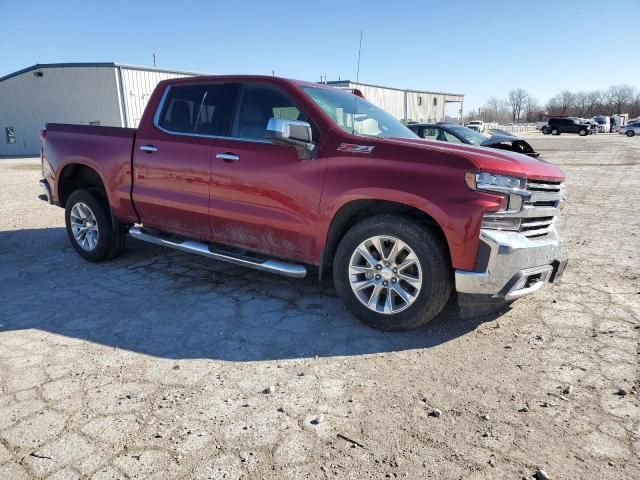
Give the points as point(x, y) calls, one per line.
point(501, 223)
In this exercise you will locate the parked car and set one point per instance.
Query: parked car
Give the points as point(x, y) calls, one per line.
point(477, 125)
point(556, 126)
point(602, 123)
point(459, 134)
point(540, 125)
point(287, 177)
point(630, 129)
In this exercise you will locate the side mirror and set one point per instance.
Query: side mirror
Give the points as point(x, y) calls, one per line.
point(291, 132)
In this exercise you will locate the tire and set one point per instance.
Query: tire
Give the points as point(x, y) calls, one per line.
point(546, 131)
point(554, 131)
point(89, 208)
point(433, 269)
point(583, 133)
point(630, 133)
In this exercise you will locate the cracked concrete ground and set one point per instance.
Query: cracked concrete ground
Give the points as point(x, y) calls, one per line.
point(165, 365)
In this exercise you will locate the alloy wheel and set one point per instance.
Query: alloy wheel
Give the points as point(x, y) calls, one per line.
point(84, 226)
point(385, 274)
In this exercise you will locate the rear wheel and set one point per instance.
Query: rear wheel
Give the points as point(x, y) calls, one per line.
point(392, 274)
point(583, 132)
point(630, 133)
point(89, 226)
point(546, 131)
point(554, 131)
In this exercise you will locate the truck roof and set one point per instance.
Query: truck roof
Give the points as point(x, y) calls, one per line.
point(241, 78)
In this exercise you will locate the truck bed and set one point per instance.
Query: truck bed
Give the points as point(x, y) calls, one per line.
point(108, 150)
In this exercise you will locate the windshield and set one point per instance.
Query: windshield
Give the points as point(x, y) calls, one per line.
point(468, 134)
point(355, 115)
point(601, 121)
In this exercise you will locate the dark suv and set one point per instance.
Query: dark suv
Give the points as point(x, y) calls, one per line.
point(556, 126)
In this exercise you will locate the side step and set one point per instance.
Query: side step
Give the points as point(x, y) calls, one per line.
point(189, 246)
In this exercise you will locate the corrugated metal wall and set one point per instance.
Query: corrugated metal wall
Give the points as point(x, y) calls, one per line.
point(406, 105)
point(138, 84)
point(61, 95)
point(425, 107)
point(390, 100)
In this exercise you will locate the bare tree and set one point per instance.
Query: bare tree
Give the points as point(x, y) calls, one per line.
point(517, 100)
point(492, 109)
point(594, 102)
point(532, 109)
point(567, 102)
point(616, 99)
point(634, 111)
point(619, 96)
point(581, 105)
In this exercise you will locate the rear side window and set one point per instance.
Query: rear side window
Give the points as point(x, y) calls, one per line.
point(194, 109)
point(259, 103)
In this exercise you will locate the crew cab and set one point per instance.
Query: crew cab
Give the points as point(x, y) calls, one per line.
point(291, 177)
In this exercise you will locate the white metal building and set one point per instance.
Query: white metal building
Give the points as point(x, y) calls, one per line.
point(407, 105)
point(112, 94)
point(106, 94)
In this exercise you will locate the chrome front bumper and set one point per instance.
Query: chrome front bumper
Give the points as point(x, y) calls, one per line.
point(511, 265)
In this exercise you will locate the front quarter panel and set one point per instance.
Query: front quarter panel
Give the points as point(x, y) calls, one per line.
point(429, 180)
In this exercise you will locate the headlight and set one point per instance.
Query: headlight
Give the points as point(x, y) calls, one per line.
point(512, 189)
point(494, 183)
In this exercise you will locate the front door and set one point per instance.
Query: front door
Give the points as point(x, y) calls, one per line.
point(173, 157)
point(263, 196)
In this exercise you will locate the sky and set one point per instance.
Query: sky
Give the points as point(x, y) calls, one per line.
point(478, 48)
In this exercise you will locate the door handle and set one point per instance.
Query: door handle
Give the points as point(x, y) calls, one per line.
point(228, 157)
point(149, 148)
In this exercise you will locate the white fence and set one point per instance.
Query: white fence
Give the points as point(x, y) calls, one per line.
point(511, 128)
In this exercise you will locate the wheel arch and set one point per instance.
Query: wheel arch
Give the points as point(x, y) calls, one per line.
point(75, 176)
point(354, 211)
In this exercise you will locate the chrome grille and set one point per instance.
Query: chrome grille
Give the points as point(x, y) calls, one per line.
point(540, 210)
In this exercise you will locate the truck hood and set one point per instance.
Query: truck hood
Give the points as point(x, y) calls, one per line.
point(490, 159)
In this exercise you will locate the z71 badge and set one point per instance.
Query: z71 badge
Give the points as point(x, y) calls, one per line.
point(354, 148)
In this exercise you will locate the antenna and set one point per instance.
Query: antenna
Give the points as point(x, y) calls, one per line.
point(355, 97)
point(359, 52)
point(154, 60)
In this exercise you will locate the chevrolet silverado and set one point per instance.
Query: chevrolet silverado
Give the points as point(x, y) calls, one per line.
point(289, 176)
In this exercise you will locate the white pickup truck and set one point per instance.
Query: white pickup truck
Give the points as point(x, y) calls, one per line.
point(477, 125)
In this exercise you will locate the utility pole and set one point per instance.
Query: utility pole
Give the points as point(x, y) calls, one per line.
point(154, 60)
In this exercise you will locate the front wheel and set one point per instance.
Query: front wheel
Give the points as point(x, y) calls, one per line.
point(582, 132)
point(545, 130)
point(630, 133)
point(555, 132)
point(89, 226)
point(392, 274)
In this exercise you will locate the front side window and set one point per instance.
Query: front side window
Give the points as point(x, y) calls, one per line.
point(258, 104)
point(470, 135)
point(194, 109)
point(355, 115)
point(430, 133)
point(450, 137)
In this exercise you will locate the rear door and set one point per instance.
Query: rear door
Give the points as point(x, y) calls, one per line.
point(172, 158)
point(263, 195)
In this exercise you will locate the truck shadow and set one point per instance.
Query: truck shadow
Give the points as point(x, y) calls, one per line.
point(173, 305)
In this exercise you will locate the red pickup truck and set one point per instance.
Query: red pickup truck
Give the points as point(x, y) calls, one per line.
point(284, 176)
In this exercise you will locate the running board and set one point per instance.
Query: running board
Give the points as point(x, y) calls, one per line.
point(189, 246)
